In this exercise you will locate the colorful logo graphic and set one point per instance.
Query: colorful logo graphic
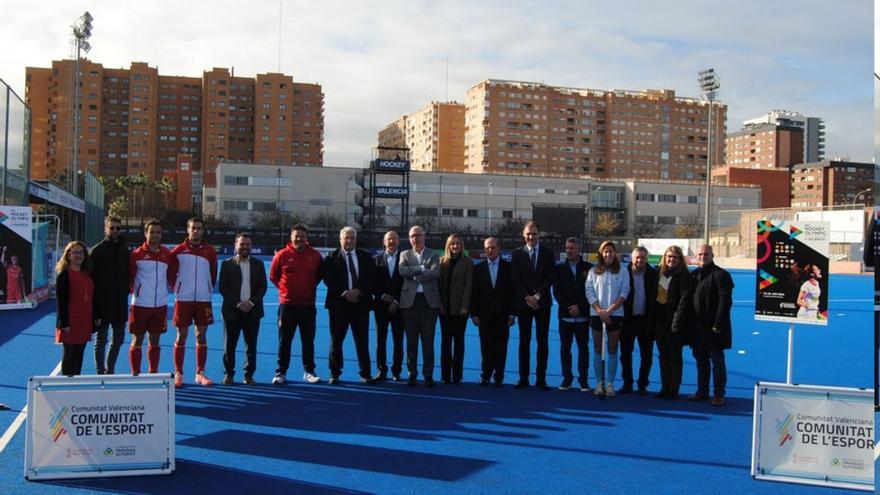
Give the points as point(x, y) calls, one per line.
point(108, 451)
point(55, 423)
point(783, 429)
point(3, 217)
point(767, 281)
point(794, 232)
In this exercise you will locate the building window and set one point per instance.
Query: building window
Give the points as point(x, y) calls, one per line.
point(666, 198)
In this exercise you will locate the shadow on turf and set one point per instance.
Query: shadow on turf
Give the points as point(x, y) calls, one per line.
point(200, 478)
point(17, 321)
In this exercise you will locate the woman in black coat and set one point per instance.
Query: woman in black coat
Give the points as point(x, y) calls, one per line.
point(670, 315)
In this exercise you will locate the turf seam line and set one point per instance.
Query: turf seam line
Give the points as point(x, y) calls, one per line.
point(19, 420)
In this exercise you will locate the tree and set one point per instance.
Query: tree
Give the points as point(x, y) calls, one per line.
point(163, 186)
point(118, 207)
point(687, 228)
point(606, 224)
point(512, 227)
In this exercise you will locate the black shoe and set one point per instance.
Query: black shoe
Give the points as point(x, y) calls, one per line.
point(626, 389)
point(334, 380)
point(499, 383)
point(368, 380)
point(661, 394)
point(430, 383)
point(565, 385)
point(396, 378)
point(521, 384)
point(672, 396)
point(542, 386)
point(249, 379)
point(446, 381)
point(412, 381)
point(697, 397)
point(484, 382)
point(643, 391)
point(381, 377)
point(456, 381)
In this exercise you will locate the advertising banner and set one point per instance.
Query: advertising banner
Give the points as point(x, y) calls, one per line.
point(15, 256)
point(813, 435)
point(872, 252)
point(792, 274)
point(382, 165)
point(392, 191)
point(89, 426)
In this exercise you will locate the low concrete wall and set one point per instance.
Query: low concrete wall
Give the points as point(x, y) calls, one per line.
point(848, 267)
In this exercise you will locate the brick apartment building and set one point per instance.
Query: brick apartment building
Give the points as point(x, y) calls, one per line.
point(434, 134)
point(529, 128)
point(136, 120)
point(831, 182)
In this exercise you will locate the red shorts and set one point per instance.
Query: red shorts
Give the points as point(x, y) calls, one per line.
point(151, 320)
point(187, 313)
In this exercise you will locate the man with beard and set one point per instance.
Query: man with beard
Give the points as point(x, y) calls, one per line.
point(110, 275)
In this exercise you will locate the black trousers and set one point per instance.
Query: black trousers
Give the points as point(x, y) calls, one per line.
point(232, 329)
point(359, 321)
point(383, 321)
point(421, 322)
point(669, 347)
point(116, 340)
point(494, 336)
point(542, 335)
point(711, 362)
point(289, 318)
point(577, 332)
point(636, 328)
point(72, 359)
point(452, 330)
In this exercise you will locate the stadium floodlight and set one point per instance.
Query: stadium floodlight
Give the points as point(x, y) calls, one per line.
point(709, 84)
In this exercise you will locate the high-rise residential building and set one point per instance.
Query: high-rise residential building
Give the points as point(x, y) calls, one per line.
point(813, 127)
point(135, 120)
point(832, 182)
point(766, 146)
point(434, 135)
point(532, 128)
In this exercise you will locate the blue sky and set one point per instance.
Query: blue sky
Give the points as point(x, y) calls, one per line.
point(379, 60)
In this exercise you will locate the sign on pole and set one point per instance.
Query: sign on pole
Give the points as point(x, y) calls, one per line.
point(792, 272)
point(813, 435)
point(107, 425)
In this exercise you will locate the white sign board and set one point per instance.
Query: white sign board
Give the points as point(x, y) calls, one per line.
point(813, 435)
point(108, 425)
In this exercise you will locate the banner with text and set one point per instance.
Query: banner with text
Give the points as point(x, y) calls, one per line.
point(99, 426)
point(15, 255)
point(792, 271)
point(813, 435)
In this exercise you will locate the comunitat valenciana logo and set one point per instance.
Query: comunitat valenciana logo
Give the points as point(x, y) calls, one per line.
point(55, 423)
point(108, 451)
point(783, 429)
point(835, 462)
point(3, 217)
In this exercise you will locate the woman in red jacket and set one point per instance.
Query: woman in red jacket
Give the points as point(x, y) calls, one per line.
point(74, 298)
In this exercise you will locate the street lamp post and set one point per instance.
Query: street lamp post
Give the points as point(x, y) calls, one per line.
point(488, 224)
point(591, 191)
point(709, 84)
point(82, 31)
point(860, 193)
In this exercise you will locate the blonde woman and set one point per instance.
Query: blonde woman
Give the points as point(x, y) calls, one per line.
point(607, 288)
point(456, 282)
point(670, 314)
point(74, 299)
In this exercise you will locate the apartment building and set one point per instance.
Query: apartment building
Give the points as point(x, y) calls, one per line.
point(528, 128)
point(813, 131)
point(434, 135)
point(765, 146)
point(135, 120)
point(832, 182)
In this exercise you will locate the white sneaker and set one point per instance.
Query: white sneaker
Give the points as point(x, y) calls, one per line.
point(311, 377)
point(609, 390)
point(279, 380)
point(600, 390)
point(585, 388)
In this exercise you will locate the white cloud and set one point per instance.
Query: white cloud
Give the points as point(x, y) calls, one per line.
point(378, 60)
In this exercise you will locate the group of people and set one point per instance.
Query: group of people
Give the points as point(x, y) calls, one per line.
point(407, 291)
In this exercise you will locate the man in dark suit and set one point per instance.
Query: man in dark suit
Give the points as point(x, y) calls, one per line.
point(386, 307)
point(532, 269)
point(491, 311)
point(569, 282)
point(349, 274)
point(242, 285)
point(637, 321)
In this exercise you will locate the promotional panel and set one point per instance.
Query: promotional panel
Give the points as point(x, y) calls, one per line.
point(792, 272)
point(99, 426)
point(15, 256)
point(813, 435)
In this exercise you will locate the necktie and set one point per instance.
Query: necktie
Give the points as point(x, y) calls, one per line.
point(352, 272)
point(534, 256)
point(493, 272)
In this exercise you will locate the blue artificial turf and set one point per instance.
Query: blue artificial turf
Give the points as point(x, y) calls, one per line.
point(390, 438)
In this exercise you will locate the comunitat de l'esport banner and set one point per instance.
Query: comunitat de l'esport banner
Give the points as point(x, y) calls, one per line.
point(814, 435)
point(15, 256)
point(792, 271)
point(86, 428)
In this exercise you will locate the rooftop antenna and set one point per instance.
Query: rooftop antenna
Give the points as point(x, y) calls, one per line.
point(447, 76)
point(279, 35)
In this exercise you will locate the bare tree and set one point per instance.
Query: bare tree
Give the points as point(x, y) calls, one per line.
point(687, 228)
point(606, 224)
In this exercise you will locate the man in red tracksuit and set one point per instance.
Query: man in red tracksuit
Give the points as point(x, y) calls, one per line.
point(193, 274)
point(295, 270)
point(148, 275)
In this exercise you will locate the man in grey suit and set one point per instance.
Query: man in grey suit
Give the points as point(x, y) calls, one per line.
point(420, 303)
